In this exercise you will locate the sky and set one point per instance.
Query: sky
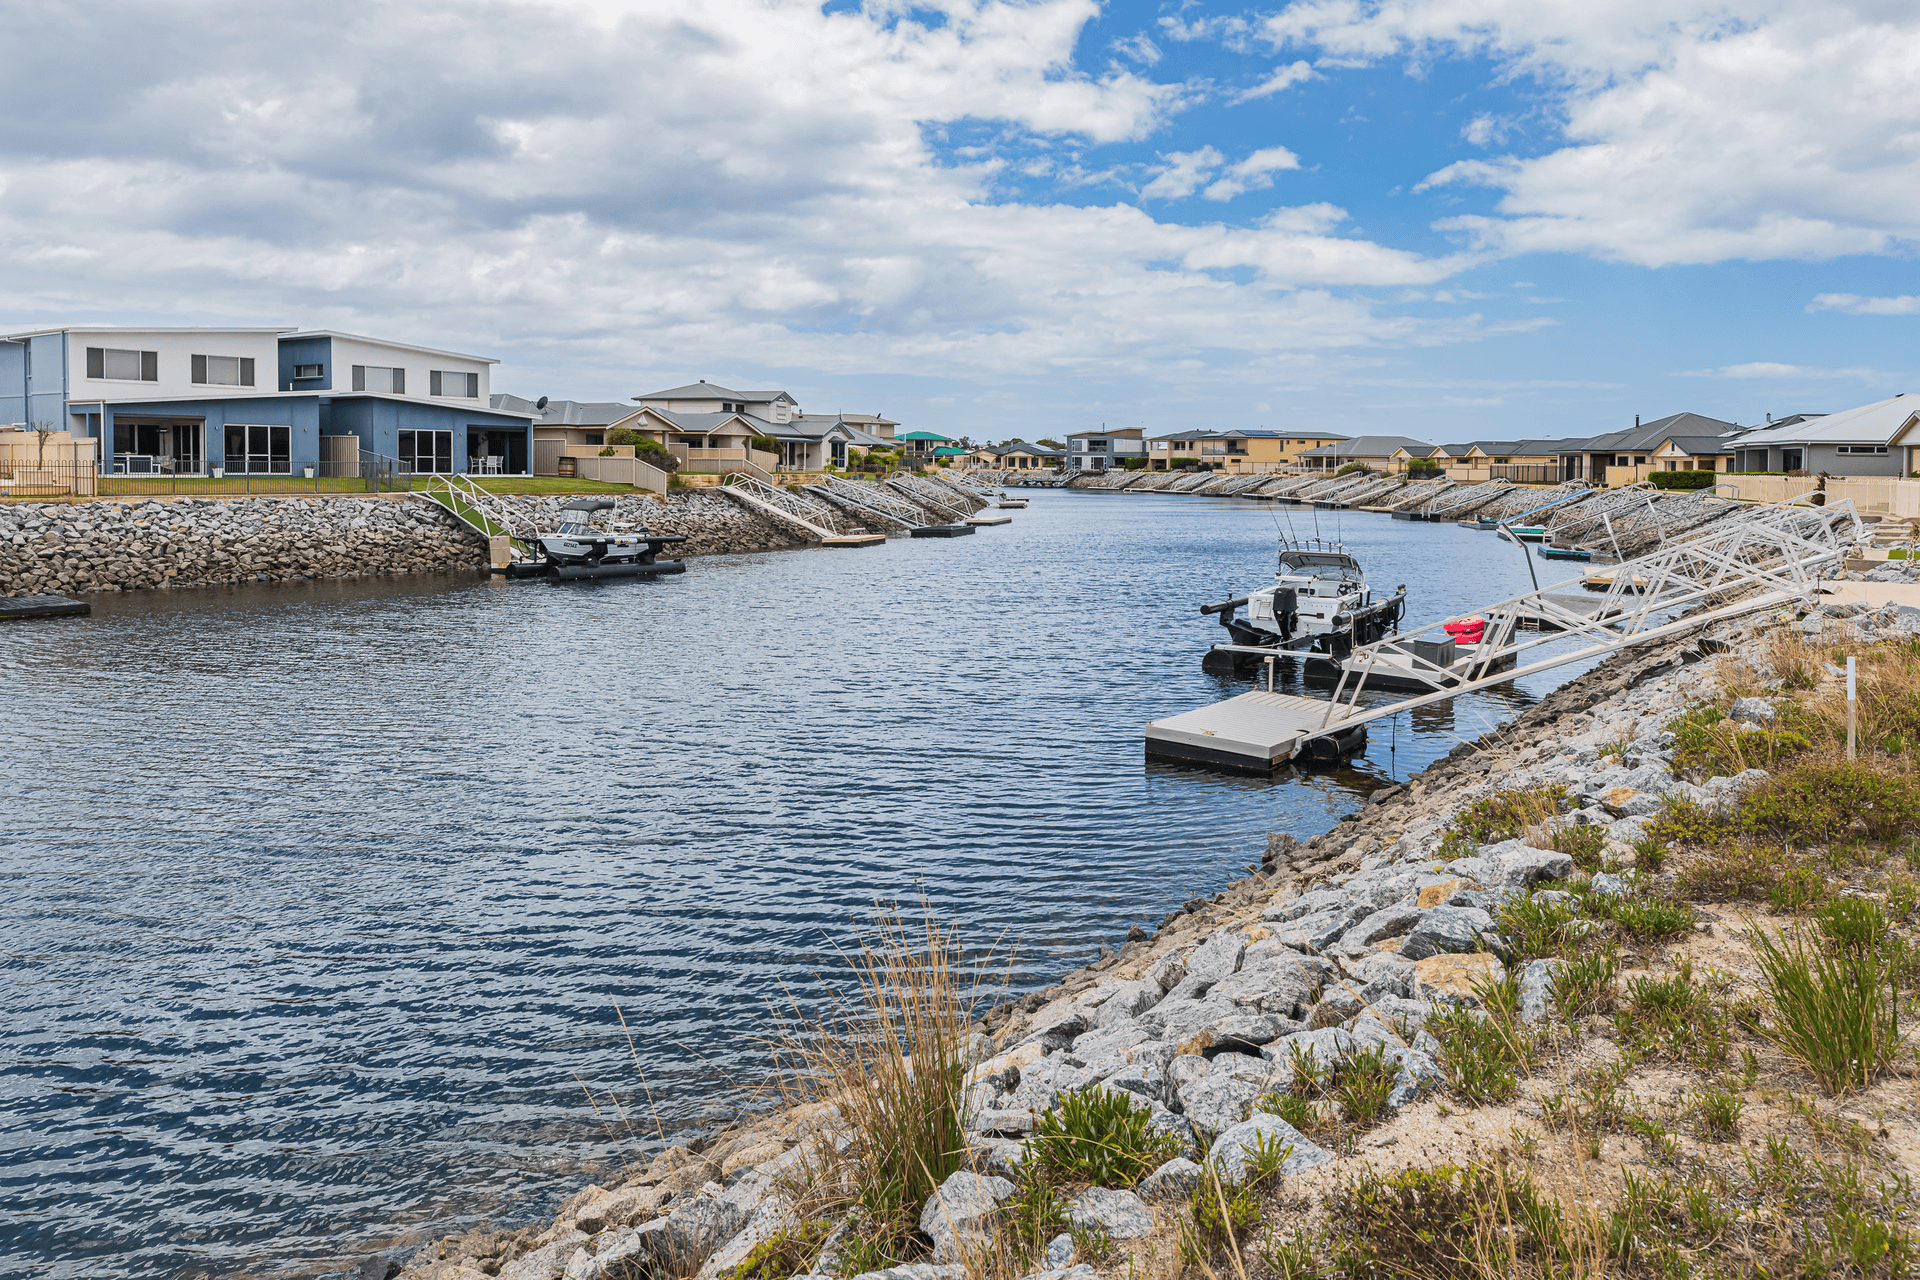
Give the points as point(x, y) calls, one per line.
point(1460, 219)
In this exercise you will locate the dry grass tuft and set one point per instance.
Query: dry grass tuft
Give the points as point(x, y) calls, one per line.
point(882, 1075)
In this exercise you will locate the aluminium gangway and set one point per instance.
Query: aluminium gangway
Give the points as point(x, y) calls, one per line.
point(1761, 559)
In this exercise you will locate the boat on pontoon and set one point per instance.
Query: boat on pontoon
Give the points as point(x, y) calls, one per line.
point(578, 549)
point(1319, 603)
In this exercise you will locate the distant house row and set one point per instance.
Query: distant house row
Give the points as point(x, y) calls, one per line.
point(1879, 439)
point(711, 428)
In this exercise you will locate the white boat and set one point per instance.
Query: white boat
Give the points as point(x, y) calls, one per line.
point(577, 549)
point(1319, 603)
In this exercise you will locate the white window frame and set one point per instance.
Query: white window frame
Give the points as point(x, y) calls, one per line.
point(396, 379)
point(439, 379)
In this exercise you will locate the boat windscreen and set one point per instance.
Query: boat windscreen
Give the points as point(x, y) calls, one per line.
point(1319, 564)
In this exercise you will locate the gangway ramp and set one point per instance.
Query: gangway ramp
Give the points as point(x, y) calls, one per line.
point(806, 514)
point(1760, 559)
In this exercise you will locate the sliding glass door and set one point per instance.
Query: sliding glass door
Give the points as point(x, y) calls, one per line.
point(259, 450)
point(427, 451)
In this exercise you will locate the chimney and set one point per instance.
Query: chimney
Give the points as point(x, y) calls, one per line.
point(1636, 419)
point(1769, 417)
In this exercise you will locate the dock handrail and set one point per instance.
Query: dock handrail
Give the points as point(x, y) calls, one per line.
point(1778, 552)
point(479, 510)
point(803, 513)
point(871, 500)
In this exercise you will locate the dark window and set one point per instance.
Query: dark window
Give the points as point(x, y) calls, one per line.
point(448, 383)
point(308, 371)
point(222, 371)
point(427, 451)
point(259, 450)
point(123, 366)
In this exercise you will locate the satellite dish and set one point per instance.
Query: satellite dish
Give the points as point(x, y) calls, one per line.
point(541, 403)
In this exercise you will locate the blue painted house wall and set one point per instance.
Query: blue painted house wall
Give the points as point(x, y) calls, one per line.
point(33, 382)
point(298, 351)
point(379, 421)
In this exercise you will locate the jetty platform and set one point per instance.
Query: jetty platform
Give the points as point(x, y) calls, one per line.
point(1253, 732)
point(42, 606)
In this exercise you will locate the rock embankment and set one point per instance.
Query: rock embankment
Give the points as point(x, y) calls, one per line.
point(1343, 944)
point(148, 543)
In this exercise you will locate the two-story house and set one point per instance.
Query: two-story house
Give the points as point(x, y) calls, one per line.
point(259, 401)
point(1099, 450)
point(430, 409)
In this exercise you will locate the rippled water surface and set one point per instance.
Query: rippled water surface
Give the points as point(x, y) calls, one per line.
point(320, 896)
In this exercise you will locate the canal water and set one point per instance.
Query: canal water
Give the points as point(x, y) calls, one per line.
point(323, 900)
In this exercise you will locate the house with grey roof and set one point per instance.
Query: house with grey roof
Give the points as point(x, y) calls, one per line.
point(1878, 439)
point(1373, 451)
point(1677, 442)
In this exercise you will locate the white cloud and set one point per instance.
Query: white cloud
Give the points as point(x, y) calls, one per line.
point(1139, 48)
point(569, 187)
point(1282, 78)
point(1485, 130)
point(1771, 369)
point(1694, 133)
point(1182, 174)
point(1254, 173)
point(1855, 304)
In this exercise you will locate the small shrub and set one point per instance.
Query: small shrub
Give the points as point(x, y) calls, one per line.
point(1504, 815)
point(1418, 1222)
point(1675, 1018)
point(1835, 1012)
point(1482, 1056)
point(1684, 823)
point(1364, 1082)
point(1582, 844)
point(1264, 1159)
point(1296, 1109)
point(1031, 1218)
point(1652, 918)
point(1684, 479)
point(1649, 854)
point(1099, 1136)
point(1717, 1111)
point(1822, 802)
point(1853, 924)
point(1536, 927)
point(1730, 872)
point(1796, 889)
point(1222, 1216)
point(1291, 1259)
point(1585, 985)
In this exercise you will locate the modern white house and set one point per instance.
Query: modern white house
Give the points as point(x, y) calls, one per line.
point(1099, 450)
point(254, 400)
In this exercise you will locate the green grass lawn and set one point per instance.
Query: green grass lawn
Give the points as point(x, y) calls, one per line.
point(296, 486)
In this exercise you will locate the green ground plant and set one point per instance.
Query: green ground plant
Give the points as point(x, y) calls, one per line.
point(1835, 1008)
point(1504, 815)
point(1482, 1055)
point(1099, 1136)
point(1675, 1018)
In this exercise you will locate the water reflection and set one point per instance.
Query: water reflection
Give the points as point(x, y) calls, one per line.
point(320, 895)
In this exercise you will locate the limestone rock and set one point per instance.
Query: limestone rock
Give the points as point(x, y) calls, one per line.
point(1536, 989)
point(1446, 929)
point(1121, 1214)
point(959, 1214)
point(1454, 975)
point(1231, 1149)
point(1174, 1180)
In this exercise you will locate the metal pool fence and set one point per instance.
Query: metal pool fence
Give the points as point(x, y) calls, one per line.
point(63, 480)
